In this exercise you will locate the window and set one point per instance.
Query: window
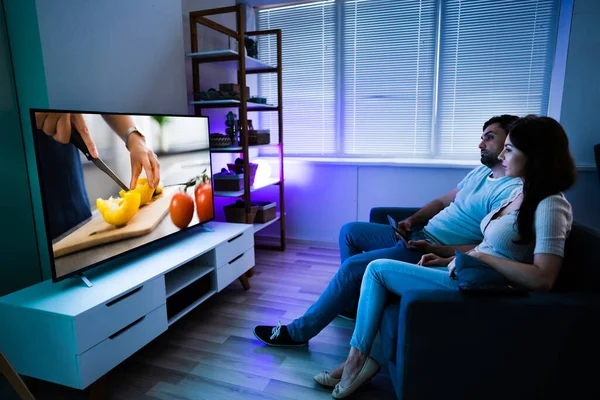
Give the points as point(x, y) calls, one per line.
point(308, 51)
point(496, 58)
point(411, 78)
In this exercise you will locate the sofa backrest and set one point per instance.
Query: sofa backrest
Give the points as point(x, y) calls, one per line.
point(581, 267)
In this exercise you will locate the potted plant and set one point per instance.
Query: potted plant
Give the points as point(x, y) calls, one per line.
point(163, 142)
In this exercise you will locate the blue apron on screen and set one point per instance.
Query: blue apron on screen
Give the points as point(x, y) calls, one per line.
point(62, 184)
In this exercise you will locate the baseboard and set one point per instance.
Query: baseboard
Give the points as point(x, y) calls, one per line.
point(275, 241)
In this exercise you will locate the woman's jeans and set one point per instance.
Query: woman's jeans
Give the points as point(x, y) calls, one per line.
point(360, 243)
point(388, 276)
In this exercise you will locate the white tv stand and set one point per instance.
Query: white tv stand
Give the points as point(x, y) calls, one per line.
point(72, 335)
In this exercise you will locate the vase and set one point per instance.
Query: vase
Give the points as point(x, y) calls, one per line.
point(163, 140)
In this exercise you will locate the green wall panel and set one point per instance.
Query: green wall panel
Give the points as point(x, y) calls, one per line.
point(23, 86)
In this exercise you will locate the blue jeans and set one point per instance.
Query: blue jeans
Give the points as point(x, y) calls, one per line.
point(360, 243)
point(383, 277)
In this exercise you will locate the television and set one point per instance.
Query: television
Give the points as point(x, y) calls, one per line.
point(148, 178)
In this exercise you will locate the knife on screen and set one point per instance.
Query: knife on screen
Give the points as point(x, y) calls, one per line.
point(78, 142)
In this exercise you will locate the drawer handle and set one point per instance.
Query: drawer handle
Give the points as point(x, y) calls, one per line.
point(126, 295)
point(114, 335)
point(235, 237)
point(237, 258)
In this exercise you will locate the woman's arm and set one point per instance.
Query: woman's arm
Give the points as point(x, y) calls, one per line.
point(539, 276)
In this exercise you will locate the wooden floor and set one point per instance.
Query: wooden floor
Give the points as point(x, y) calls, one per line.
point(212, 354)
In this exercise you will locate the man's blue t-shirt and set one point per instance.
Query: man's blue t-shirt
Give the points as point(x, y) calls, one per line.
point(478, 194)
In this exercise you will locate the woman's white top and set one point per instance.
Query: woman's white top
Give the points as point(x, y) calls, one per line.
point(552, 225)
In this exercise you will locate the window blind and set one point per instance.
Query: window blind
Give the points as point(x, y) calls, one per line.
point(308, 41)
point(388, 76)
point(495, 58)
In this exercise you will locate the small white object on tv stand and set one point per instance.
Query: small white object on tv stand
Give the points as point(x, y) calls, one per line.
point(72, 335)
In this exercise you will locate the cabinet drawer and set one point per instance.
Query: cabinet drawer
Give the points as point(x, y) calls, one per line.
point(232, 270)
point(235, 246)
point(106, 355)
point(98, 323)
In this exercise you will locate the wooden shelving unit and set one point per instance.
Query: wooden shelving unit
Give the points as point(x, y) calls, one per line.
point(244, 65)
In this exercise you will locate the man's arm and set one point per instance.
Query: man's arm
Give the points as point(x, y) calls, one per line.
point(423, 216)
point(441, 250)
point(432, 208)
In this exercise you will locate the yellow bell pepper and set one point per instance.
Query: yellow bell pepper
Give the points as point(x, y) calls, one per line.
point(143, 189)
point(119, 211)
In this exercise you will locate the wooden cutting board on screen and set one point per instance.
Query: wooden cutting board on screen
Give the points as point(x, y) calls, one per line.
point(97, 232)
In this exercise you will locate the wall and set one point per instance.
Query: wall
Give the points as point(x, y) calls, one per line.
point(581, 98)
point(114, 55)
point(20, 265)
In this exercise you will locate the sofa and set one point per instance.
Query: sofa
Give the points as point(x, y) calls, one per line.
point(455, 345)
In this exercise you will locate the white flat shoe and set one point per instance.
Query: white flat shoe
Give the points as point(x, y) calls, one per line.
point(323, 378)
point(368, 371)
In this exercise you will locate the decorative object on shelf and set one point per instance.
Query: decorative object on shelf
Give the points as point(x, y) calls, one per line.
point(258, 100)
point(267, 211)
point(218, 140)
point(238, 168)
point(251, 47)
point(232, 91)
point(228, 181)
point(163, 140)
point(257, 137)
point(236, 212)
point(232, 128)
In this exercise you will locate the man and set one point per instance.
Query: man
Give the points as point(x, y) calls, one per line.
point(450, 223)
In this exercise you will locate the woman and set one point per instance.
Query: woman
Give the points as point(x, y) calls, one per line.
point(524, 240)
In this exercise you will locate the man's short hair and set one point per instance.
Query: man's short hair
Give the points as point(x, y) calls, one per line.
point(505, 121)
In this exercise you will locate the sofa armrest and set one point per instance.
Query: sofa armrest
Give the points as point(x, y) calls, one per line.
point(492, 347)
point(379, 214)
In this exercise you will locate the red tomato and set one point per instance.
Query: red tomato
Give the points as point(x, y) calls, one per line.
point(204, 200)
point(181, 209)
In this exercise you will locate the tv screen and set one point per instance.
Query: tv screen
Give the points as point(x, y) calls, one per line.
point(112, 183)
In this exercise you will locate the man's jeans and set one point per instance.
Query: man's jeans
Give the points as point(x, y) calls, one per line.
point(360, 243)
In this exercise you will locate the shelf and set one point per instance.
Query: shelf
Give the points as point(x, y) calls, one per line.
point(268, 182)
point(231, 103)
point(189, 308)
point(233, 60)
point(239, 149)
point(228, 58)
point(184, 276)
point(260, 227)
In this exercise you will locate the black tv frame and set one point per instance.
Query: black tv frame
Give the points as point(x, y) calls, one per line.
point(597, 156)
point(107, 262)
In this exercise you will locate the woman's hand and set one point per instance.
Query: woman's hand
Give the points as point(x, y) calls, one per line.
point(429, 260)
point(143, 158)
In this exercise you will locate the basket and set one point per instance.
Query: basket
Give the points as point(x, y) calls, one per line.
point(237, 213)
point(267, 211)
point(218, 140)
point(256, 138)
point(238, 169)
point(228, 183)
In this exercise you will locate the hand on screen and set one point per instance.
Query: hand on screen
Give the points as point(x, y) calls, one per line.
point(143, 158)
point(58, 126)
